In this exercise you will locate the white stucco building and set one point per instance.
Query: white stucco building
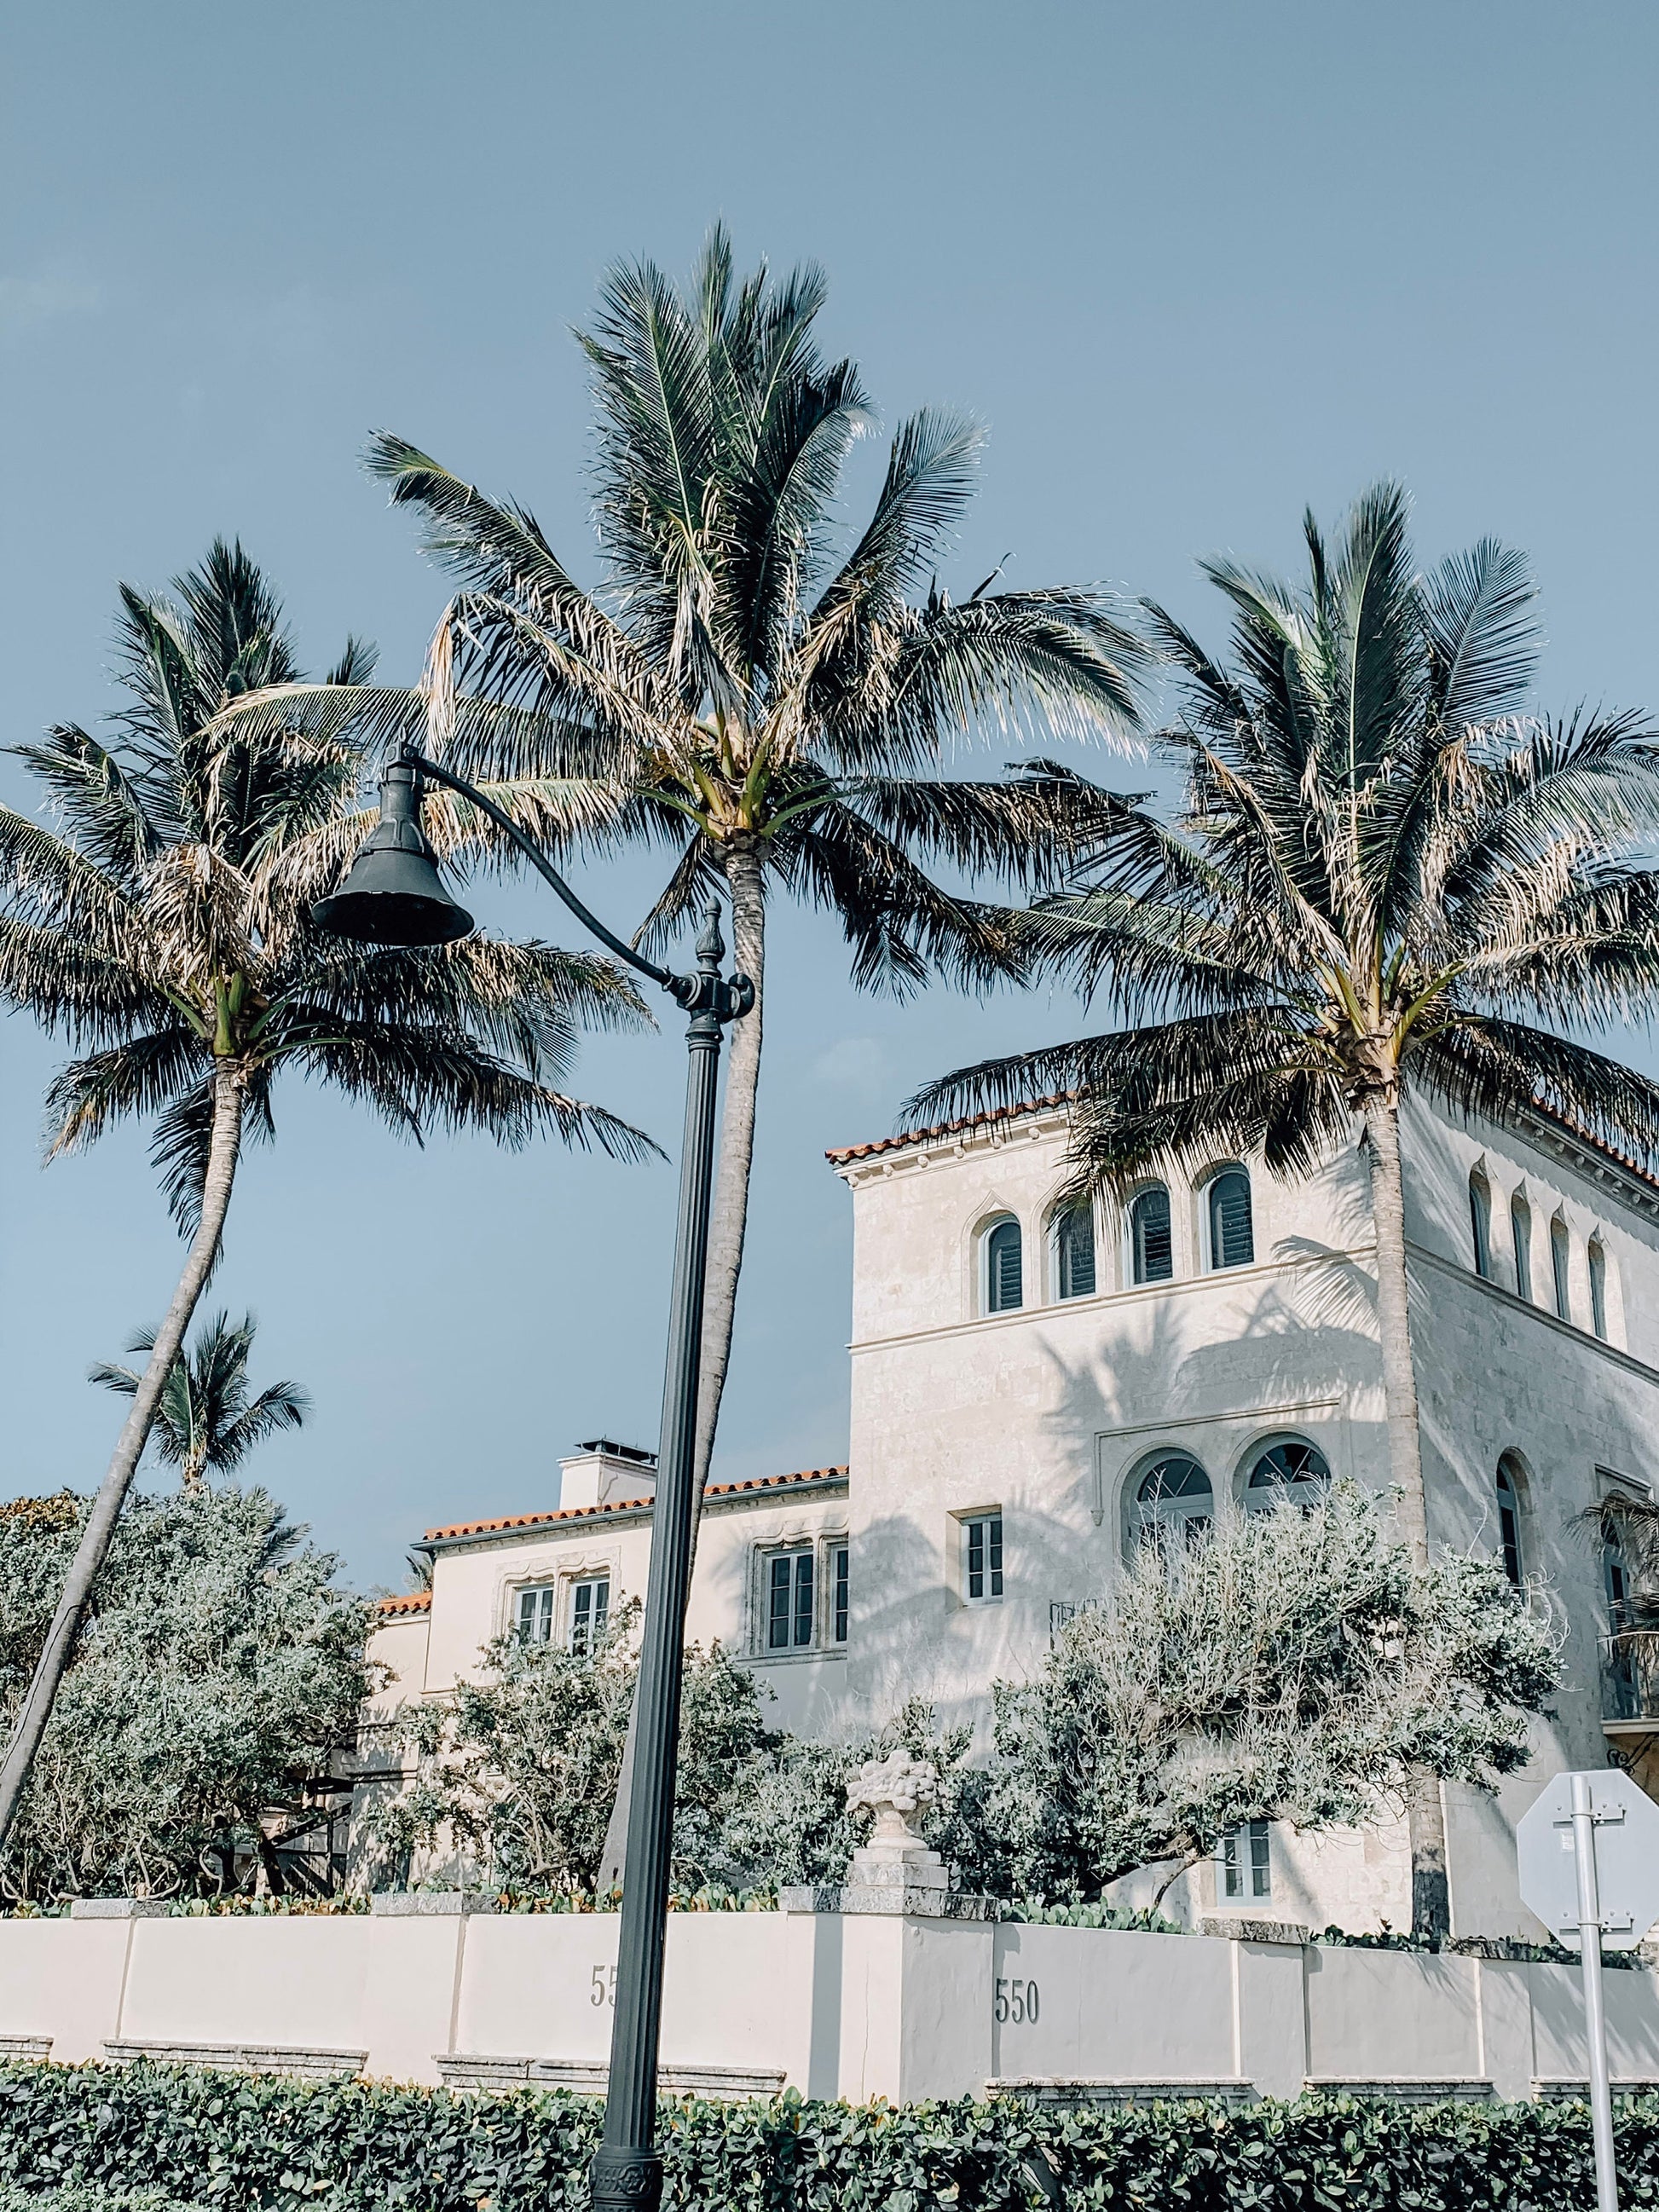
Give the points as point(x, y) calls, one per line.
point(1027, 1389)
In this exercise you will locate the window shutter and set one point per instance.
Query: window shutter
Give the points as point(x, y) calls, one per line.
point(1076, 1254)
point(1004, 1286)
point(1154, 1249)
point(1233, 1233)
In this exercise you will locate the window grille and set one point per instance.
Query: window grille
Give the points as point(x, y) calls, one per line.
point(1061, 1610)
point(1560, 1258)
point(1004, 1286)
point(1152, 1247)
point(1175, 1500)
point(1233, 1233)
point(590, 1608)
point(1244, 1862)
point(1074, 1241)
point(789, 1607)
point(1509, 1521)
point(981, 1537)
point(839, 1563)
point(533, 1614)
point(1293, 1469)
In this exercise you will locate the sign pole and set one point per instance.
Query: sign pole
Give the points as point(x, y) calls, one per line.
point(1595, 2018)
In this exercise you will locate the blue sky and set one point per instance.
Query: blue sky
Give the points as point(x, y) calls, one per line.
point(1196, 266)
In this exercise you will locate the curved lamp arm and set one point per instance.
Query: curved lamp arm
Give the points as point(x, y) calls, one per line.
point(680, 986)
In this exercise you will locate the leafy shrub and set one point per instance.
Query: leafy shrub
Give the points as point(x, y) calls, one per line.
point(229, 2143)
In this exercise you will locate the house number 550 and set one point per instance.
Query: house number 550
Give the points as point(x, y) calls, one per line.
point(1017, 2002)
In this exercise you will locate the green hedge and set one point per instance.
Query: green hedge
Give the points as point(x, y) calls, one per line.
point(231, 2142)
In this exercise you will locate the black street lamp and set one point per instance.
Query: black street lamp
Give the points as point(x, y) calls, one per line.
point(393, 896)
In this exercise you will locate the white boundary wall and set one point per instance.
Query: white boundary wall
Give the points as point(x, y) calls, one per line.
point(855, 2005)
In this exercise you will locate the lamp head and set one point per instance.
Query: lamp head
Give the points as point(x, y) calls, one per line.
point(392, 893)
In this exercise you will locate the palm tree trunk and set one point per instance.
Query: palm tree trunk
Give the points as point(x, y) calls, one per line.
point(1425, 1810)
point(730, 1219)
point(727, 1225)
point(97, 1537)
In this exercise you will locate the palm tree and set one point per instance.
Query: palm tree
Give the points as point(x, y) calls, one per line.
point(1386, 877)
point(164, 929)
point(776, 717)
point(204, 1418)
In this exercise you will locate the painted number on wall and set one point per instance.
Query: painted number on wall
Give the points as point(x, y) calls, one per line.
point(1017, 2002)
point(602, 1989)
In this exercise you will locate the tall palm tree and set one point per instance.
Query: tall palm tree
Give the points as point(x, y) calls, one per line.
point(164, 929)
point(1387, 876)
point(205, 1417)
point(776, 716)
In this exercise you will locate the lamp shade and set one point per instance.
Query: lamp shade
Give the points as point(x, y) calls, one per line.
point(392, 893)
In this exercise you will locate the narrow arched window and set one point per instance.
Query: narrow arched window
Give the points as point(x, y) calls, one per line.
point(1508, 1518)
point(1598, 1283)
point(1294, 1471)
point(1559, 1261)
point(1074, 1252)
point(1004, 1273)
point(1173, 1500)
point(1521, 1233)
point(1232, 1234)
point(1480, 1223)
point(1151, 1248)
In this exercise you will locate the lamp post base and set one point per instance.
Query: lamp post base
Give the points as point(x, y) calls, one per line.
point(626, 2180)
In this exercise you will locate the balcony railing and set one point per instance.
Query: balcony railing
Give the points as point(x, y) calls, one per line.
point(1629, 1675)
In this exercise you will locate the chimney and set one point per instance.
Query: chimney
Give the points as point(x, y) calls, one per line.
point(604, 1473)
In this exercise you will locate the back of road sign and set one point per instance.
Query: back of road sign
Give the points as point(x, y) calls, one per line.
point(1626, 1859)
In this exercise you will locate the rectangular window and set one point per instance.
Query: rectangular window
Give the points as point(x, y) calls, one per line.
point(533, 1614)
point(590, 1608)
point(1244, 1862)
point(982, 1559)
point(838, 1572)
point(789, 1601)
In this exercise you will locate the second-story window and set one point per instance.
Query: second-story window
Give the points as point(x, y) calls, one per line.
point(790, 1591)
point(1597, 1257)
point(590, 1608)
point(982, 1559)
point(1232, 1232)
point(1521, 1234)
point(839, 1563)
point(532, 1614)
point(1480, 1223)
point(1074, 1252)
point(1151, 1248)
point(1004, 1274)
point(1559, 1263)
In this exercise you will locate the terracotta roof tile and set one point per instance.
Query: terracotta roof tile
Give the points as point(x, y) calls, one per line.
point(811, 1474)
point(410, 1601)
point(936, 1129)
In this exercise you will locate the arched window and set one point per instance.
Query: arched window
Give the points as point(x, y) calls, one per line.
point(1480, 1223)
point(1598, 1282)
point(1233, 1236)
point(1173, 1500)
point(1074, 1252)
point(1559, 1255)
point(1152, 1249)
point(1004, 1274)
point(1521, 1233)
point(1293, 1471)
point(1508, 1518)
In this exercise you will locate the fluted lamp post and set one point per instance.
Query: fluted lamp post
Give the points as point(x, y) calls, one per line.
point(392, 894)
